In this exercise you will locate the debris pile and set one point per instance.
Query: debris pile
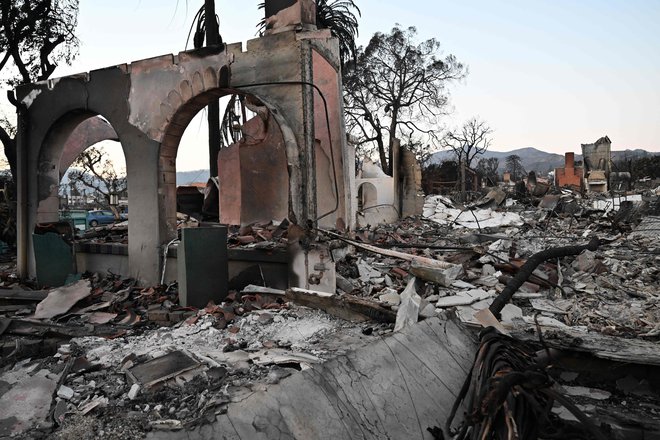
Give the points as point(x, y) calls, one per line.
point(611, 290)
point(260, 236)
point(142, 366)
point(256, 236)
point(443, 211)
point(554, 276)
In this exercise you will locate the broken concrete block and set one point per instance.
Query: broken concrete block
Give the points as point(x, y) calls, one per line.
point(545, 321)
point(133, 392)
point(462, 285)
point(428, 311)
point(367, 272)
point(509, 313)
point(26, 405)
point(59, 412)
point(408, 312)
point(487, 269)
point(100, 318)
point(591, 393)
point(278, 373)
point(588, 262)
point(443, 276)
point(345, 284)
point(65, 393)
point(390, 296)
point(487, 281)
point(467, 313)
point(548, 306)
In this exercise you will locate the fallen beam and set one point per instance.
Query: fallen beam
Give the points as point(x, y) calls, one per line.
point(23, 295)
point(348, 307)
point(637, 351)
point(435, 271)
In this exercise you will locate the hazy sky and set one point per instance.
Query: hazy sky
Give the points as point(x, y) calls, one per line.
point(547, 74)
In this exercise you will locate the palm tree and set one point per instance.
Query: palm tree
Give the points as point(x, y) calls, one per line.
point(341, 17)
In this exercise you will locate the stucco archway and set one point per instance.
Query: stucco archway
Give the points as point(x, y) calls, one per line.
point(367, 194)
point(182, 118)
point(150, 102)
point(59, 149)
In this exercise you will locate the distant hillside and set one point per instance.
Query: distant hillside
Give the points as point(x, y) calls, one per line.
point(631, 154)
point(537, 160)
point(187, 177)
point(532, 159)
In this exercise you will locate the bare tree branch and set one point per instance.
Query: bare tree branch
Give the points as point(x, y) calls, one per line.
point(92, 169)
point(35, 35)
point(399, 88)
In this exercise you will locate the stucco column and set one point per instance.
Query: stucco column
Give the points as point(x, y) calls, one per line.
point(146, 221)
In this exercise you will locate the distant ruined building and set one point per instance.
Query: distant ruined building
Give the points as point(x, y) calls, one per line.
point(594, 175)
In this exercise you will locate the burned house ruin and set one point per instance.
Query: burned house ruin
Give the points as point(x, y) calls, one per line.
point(291, 76)
point(367, 312)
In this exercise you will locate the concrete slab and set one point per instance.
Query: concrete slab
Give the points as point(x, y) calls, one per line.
point(26, 405)
point(395, 388)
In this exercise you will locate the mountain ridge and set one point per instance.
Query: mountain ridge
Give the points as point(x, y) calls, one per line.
point(537, 160)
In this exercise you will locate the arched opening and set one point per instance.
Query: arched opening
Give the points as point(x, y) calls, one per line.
point(198, 194)
point(95, 185)
point(253, 182)
point(375, 201)
point(93, 175)
point(67, 142)
point(367, 196)
point(82, 192)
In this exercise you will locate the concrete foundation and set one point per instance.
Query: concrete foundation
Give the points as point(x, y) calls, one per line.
point(114, 258)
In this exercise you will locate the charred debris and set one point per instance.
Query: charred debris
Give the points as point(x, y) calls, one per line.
point(546, 311)
point(364, 311)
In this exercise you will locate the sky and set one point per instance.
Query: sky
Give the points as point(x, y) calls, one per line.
point(544, 74)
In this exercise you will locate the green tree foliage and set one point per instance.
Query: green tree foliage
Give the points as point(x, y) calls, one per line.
point(639, 166)
point(397, 88)
point(646, 167)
